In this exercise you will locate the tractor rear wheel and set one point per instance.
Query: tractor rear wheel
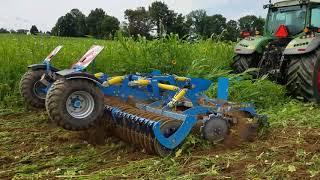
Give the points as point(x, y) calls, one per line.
point(75, 104)
point(241, 63)
point(304, 76)
point(32, 90)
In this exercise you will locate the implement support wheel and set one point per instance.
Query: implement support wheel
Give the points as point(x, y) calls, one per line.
point(75, 104)
point(32, 90)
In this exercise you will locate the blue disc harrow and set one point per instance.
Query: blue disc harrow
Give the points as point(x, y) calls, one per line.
point(153, 111)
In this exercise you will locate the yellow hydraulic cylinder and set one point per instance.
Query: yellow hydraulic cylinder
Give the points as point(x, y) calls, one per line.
point(168, 87)
point(98, 75)
point(113, 81)
point(145, 82)
point(142, 82)
point(177, 97)
point(183, 79)
point(180, 94)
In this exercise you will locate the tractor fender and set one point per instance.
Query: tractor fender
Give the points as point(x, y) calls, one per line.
point(42, 67)
point(251, 45)
point(301, 45)
point(69, 74)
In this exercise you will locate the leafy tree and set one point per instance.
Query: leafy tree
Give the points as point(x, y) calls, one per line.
point(214, 25)
point(178, 25)
point(57, 30)
point(110, 25)
point(167, 21)
point(2, 30)
point(72, 25)
point(101, 25)
point(197, 20)
point(80, 19)
point(34, 30)
point(232, 31)
point(139, 22)
point(66, 26)
point(251, 23)
point(75, 24)
point(94, 22)
point(124, 29)
point(160, 14)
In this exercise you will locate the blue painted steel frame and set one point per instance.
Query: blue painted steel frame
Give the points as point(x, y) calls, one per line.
point(161, 98)
point(191, 118)
point(152, 92)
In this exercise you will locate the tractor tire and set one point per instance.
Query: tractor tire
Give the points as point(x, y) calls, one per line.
point(75, 104)
point(241, 63)
point(304, 76)
point(31, 88)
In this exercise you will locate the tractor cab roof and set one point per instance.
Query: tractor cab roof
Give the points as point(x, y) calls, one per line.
point(284, 3)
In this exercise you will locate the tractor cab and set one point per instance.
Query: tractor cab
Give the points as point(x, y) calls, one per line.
point(283, 22)
point(293, 17)
point(314, 17)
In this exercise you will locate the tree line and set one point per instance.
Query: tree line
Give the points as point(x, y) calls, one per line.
point(156, 21)
point(34, 30)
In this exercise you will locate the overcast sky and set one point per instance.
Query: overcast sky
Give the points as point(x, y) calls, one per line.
point(21, 14)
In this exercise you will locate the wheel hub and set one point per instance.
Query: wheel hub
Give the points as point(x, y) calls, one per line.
point(76, 102)
point(80, 104)
point(217, 131)
point(40, 90)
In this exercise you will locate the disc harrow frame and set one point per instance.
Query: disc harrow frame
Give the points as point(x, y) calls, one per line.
point(156, 112)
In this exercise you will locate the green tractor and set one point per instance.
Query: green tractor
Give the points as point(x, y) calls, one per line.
point(289, 49)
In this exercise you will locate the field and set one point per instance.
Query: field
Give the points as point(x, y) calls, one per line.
point(32, 147)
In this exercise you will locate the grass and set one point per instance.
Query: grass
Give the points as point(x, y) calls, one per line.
point(33, 148)
point(125, 55)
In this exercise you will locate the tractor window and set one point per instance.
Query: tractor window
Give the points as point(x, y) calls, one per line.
point(293, 17)
point(315, 17)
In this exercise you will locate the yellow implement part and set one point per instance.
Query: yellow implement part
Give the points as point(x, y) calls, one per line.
point(142, 82)
point(177, 98)
point(168, 87)
point(180, 94)
point(113, 81)
point(98, 75)
point(183, 79)
point(145, 82)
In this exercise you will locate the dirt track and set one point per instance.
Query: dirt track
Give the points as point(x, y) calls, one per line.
point(32, 147)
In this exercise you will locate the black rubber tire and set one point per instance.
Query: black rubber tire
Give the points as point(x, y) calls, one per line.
point(27, 83)
point(168, 128)
point(215, 130)
point(303, 77)
point(241, 63)
point(57, 98)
